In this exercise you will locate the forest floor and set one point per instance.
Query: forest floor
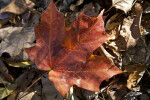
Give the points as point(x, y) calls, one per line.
point(127, 22)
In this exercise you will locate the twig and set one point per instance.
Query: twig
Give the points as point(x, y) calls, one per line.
point(32, 85)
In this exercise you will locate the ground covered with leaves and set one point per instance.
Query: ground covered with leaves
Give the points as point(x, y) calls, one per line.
point(74, 49)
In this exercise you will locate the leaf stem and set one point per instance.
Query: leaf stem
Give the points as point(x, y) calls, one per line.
point(32, 84)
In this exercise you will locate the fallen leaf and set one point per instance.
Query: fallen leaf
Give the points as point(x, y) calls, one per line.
point(14, 40)
point(19, 64)
point(124, 5)
point(136, 73)
point(4, 70)
point(113, 22)
point(126, 38)
point(18, 6)
point(33, 94)
point(88, 76)
point(135, 95)
point(86, 31)
point(5, 91)
point(115, 87)
point(66, 51)
point(135, 27)
point(117, 91)
point(135, 54)
point(23, 81)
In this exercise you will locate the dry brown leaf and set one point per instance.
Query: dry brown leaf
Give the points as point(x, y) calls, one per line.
point(5, 72)
point(130, 30)
point(113, 22)
point(124, 5)
point(137, 72)
point(137, 21)
point(125, 39)
point(115, 87)
point(18, 6)
point(13, 41)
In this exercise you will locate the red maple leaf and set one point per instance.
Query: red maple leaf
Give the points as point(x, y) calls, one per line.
point(66, 52)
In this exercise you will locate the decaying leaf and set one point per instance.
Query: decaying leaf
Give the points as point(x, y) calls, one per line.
point(66, 51)
point(4, 70)
point(22, 82)
point(123, 36)
point(18, 6)
point(14, 39)
point(113, 22)
point(135, 95)
point(5, 91)
point(137, 72)
point(19, 64)
point(117, 89)
point(135, 27)
point(124, 5)
point(110, 48)
point(130, 30)
point(125, 40)
point(33, 93)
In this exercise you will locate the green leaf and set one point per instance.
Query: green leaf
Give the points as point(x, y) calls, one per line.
point(5, 91)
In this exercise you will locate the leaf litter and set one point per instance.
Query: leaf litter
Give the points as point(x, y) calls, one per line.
point(126, 24)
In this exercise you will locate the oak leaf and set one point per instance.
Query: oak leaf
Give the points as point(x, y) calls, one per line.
point(66, 52)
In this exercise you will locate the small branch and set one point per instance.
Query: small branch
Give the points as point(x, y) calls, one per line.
point(32, 85)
